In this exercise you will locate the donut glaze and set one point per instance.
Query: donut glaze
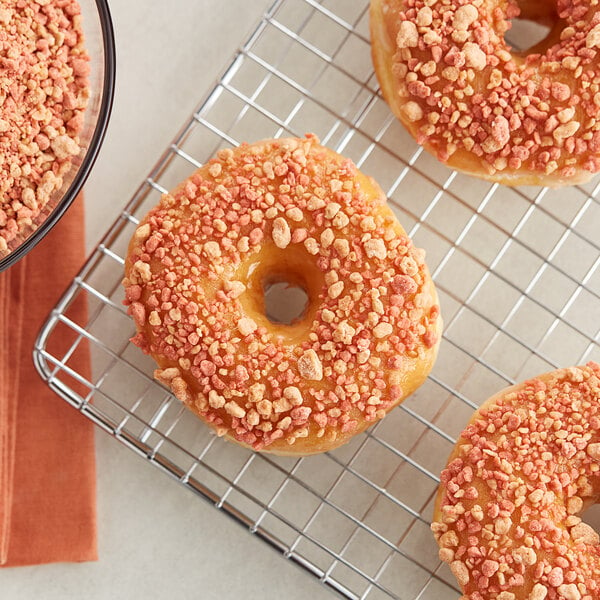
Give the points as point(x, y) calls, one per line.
point(448, 74)
point(282, 211)
point(506, 517)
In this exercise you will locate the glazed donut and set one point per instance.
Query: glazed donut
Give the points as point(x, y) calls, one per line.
point(528, 463)
point(450, 77)
point(282, 211)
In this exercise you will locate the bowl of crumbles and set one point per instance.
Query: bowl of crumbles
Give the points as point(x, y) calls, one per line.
point(57, 73)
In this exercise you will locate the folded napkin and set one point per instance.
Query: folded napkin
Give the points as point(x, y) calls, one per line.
point(11, 293)
point(47, 467)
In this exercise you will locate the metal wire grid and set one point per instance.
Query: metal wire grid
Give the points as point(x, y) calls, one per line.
point(516, 270)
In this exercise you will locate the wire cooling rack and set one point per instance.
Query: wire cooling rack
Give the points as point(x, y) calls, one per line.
point(518, 277)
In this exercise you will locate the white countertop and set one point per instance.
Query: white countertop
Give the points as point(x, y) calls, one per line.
point(156, 539)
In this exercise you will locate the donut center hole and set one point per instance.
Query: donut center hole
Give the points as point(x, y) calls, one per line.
point(285, 302)
point(591, 516)
point(524, 35)
point(536, 29)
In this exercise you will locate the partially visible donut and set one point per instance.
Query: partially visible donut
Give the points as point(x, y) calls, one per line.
point(526, 466)
point(449, 76)
point(291, 211)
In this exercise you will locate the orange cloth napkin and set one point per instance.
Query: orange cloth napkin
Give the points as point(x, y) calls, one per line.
point(47, 466)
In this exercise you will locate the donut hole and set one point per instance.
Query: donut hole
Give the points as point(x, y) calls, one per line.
point(283, 291)
point(524, 35)
point(591, 516)
point(285, 302)
point(536, 29)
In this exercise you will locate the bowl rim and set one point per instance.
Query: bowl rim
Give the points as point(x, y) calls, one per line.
point(106, 103)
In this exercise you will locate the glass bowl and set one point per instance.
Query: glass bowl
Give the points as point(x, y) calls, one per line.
point(100, 45)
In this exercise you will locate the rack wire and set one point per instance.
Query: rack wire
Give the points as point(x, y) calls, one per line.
point(517, 272)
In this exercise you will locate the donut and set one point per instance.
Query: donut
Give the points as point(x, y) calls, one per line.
point(516, 118)
point(526, 466)
point(288, 211)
